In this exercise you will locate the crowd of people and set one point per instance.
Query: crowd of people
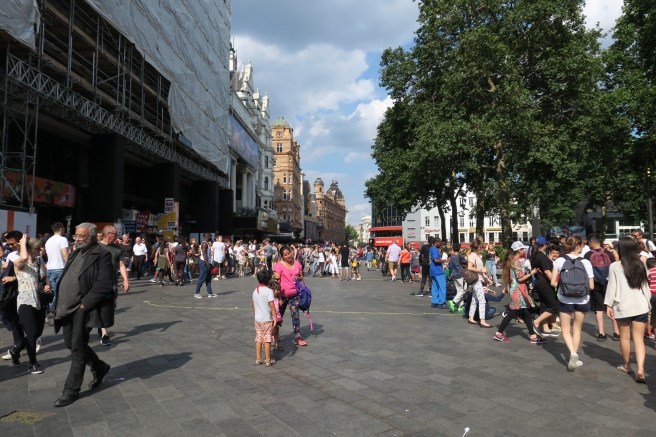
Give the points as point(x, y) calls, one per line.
point(552, 284)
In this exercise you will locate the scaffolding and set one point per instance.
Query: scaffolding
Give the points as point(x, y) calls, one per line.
point(85, 73)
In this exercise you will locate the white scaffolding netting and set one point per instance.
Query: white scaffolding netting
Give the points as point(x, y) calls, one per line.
point(188, 42)
point(19, 19)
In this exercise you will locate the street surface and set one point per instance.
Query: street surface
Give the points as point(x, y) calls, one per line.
point(379, 362)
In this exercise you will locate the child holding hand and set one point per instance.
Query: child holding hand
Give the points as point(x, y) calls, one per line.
point(264, 311)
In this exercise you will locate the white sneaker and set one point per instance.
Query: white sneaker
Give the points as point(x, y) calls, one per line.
point(198, 296)
point(6, 357)
point(573, 359)
point(579, 363)
point(38, 344)
point(152, 280)
point(216, 279)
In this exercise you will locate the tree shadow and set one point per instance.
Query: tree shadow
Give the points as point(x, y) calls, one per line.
point(144, 328)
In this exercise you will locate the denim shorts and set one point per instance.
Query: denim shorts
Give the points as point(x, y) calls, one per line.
point(642, 318)
point(572, 307)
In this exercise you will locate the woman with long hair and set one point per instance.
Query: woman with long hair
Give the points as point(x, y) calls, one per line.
point(572, 309)
point(218, 257)
point(628, 301)
point(520, 301)
point(31, 276)
point(286, 271)
point(491, 264)
point(475, 264)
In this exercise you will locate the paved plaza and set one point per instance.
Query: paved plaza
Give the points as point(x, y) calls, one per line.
point(379, 362)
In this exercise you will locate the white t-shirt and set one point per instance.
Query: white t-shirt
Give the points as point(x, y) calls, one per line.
point(139, 249)
point(54, 247)
point(646, 254)
point(261, 303)
point(393, 253)
point(219, 251)
point(585, 250)
point(13, 256)
point(558, 265)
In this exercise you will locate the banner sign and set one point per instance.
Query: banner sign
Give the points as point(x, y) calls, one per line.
point(169, 204)
point(142, 221)
point(242, 143)
point(129, 226)
point(45, 190)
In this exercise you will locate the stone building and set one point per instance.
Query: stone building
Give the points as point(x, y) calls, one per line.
point(287, 191)
point(331, 212)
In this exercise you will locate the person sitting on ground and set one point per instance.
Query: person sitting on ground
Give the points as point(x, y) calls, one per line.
point(490, 296)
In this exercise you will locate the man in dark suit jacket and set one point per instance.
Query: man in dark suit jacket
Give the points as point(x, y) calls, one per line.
point(85, 291)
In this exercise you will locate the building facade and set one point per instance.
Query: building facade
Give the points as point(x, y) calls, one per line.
point(363, 229)
point(120, 121)
point(287, 177)
point(331, 212)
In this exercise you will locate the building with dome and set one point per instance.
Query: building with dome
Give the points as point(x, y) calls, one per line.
point(331, 211)
point(287, 178)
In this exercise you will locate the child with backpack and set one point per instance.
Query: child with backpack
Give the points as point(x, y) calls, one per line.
point(574, 278)
point(264, 311)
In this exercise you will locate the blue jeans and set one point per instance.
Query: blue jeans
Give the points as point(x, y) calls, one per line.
point(438, 290)
point(314, 266)
point(205, 276)
point(53, 276)
point(492, 270)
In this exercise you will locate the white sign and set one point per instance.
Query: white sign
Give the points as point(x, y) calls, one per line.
point(169, 204)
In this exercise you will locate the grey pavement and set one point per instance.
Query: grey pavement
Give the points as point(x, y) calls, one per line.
point(379, 362)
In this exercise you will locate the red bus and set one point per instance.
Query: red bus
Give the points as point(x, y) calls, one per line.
point(384, 236)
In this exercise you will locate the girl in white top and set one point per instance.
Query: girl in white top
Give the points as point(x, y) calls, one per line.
point(628, 303)
point(333, 264)
point(218, 255)
point(572, 308)
point(478, 295)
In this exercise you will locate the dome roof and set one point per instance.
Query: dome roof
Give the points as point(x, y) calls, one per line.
point(280, 122)
point(335, 191)
point(318, 182)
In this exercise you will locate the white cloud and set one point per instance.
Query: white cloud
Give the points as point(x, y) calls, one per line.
point(604, 12)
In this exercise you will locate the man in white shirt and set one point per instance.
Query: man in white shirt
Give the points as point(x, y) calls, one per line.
point(139, 251)
point(57, 251)
point(393, 254)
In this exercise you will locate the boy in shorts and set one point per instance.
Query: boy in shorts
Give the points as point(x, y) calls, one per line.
point(264, 311)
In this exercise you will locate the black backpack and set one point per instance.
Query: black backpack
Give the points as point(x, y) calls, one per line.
point(573, 278)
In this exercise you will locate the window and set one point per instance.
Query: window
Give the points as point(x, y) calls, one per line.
point(274, 162)
point(471, 237)
point(491, 237)
point(266, 184)
point(284, 208)
point(461, 222)
point(284, 194)
point(289, 195)
point(471, 201)
point(436, 220)
point(525, 236)
point(266, 162)
point(279, 148)
point(279, 134)
point(427, 221)
point(462, 237)
point(514, 236)
point(284, 178)
point(471, 223)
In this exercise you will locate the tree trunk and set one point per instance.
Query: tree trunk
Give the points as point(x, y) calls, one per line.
point(604, 223)
point(504, 196)
point(455, 236)
point(480, 207)
point(442, 222)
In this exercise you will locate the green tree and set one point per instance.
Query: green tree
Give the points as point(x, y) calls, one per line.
point(496, 87)
point(351, 234)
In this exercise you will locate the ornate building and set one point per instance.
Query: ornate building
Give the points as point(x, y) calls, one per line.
point(288, 195)
point(331, 212)
point(363, 229)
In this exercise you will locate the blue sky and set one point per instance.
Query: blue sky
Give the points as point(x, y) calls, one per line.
point(319, 62)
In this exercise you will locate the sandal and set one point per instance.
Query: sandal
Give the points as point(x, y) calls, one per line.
point(269, 363)
point(624, 369)
point(259, 361)
point(640, 378)
point(279, 348)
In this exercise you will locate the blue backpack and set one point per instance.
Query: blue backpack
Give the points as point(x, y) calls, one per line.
point(305, 299)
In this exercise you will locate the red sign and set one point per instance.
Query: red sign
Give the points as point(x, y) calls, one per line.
point(142, 221)
point(387, 241)
point(45, 190)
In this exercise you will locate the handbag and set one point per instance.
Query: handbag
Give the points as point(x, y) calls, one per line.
point(470, 277)
point(45, 298)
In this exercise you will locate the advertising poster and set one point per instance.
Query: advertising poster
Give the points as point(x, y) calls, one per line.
point(45, 190)
point(242, 143)
point(568, 231)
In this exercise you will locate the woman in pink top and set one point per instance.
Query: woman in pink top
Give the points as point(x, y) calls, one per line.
point(285, 272)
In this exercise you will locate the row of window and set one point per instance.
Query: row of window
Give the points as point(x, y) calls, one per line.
point(493, 221)
point(491, 236)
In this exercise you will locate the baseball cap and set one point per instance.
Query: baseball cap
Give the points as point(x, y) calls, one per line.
point(518, 245)
point(541, 241)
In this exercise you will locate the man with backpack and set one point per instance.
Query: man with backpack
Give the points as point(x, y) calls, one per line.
point(601, 259)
